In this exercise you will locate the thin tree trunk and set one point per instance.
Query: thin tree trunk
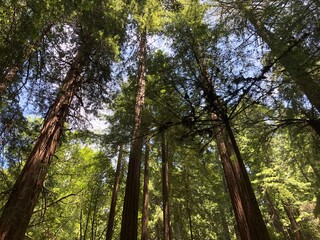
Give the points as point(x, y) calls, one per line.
point(129, 225)
point(145, 212)
point(86, 228)
point(13, 70)
point(190, 221)
point(94, 215)
point(178, 235)
point(114, 195)
point(294, 58)
point(275, 216)
point(188, 195)
point(95, 201)
point(224, 223)
point(249, 218)
point(165, 186)
point(23, 198)
point(158, 230)
point(80, 230)
point(294, 226)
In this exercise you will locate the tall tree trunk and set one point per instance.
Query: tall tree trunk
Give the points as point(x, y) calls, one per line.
point(145, 212)
point(23, 198)
point(190, 221)
point(114, 195)
point(249, 218)
point(13, 70)
point(165, 186)
point(177, 227)
point(188, 195)
point(129, 225)
point(94, 214)
point(291, 55)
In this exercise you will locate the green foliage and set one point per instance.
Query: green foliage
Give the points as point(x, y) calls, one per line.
point(275, 125)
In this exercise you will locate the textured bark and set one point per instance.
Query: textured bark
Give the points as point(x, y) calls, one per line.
point(114, 195)
point(291, 55)
point(232, 183)
point(23, 198)
point(129, 225)
point(165, 187)
point(248, 216)
point(145, 208)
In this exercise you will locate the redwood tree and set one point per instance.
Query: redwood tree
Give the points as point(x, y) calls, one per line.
point(25, 192)
point(114, 195)
point(196, 53)
point(165, 187)
point(145, 208)
point(129, 226)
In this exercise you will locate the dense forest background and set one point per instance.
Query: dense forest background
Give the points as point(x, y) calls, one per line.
point(171, 119)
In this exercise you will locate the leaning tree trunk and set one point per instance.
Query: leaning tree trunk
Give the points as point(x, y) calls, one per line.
point(114, 195)
point(248, 216)
point(145, 208)
point(129, 225)
point(23, 198)
point(165, 187)
point(291, 55)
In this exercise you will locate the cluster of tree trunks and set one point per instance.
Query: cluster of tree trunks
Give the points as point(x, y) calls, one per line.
point(113, 204)
point(250, 224)
point(246, 209)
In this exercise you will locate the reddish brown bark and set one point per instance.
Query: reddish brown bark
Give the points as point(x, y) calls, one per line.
point(165, 187)
point(114, 195)
point(248, 216)
point(145, 208)
point(23, 198)
point(129, 225)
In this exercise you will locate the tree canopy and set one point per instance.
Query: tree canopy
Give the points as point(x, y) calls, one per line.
point(179, 119)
